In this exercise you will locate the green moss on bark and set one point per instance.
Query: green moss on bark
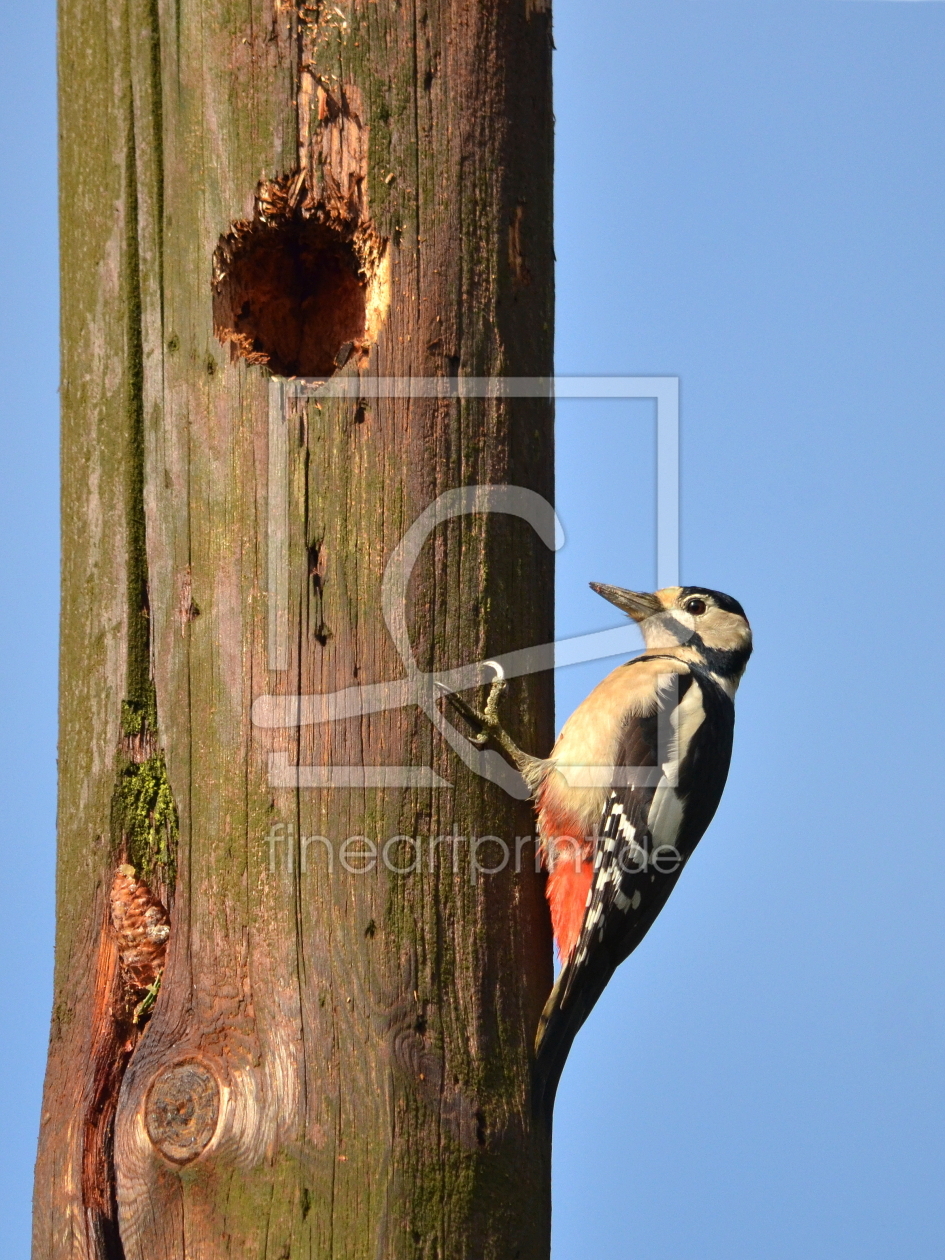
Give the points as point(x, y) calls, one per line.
point(146, 820)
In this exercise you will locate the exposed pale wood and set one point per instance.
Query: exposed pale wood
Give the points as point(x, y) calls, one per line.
point(370, 1035)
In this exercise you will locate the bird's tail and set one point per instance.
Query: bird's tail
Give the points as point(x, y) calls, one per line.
point(567, 1008)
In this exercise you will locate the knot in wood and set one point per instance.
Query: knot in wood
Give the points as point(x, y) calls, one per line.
point(181, 1111)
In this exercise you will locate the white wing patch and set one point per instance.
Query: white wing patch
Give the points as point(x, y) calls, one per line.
point(728, 685)
point(666, 811)
point(685, 719)
point(665, 816)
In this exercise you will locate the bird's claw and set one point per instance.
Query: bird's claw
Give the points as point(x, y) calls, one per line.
point(486, 723)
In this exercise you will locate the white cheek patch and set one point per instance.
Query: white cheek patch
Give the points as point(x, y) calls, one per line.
point(668, 629)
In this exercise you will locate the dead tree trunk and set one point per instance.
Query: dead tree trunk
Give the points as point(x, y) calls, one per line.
point(265, 1044)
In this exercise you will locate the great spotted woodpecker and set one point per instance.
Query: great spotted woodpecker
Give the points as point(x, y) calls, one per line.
point(627, 792)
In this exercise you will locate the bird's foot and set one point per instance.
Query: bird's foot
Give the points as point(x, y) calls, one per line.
point(487, 724)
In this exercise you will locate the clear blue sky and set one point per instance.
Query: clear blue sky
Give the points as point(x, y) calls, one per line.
point(751, 197)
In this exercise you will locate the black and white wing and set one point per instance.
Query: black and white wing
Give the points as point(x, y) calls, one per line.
point(673, 763)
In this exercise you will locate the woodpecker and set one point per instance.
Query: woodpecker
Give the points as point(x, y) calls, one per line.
point(627, 792)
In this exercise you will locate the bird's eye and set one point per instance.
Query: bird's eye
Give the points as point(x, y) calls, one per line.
point(695, 606)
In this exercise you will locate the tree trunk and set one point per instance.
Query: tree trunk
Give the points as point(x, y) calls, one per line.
point(264, 1044)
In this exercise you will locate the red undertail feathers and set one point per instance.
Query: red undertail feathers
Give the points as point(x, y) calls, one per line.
point(569, 859)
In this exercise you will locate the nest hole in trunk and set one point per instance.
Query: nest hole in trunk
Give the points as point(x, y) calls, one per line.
point(290, 293)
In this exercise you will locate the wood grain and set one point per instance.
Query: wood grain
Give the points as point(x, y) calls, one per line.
point(367, 1036)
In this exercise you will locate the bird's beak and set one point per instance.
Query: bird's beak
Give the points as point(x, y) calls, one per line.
point(638, 605)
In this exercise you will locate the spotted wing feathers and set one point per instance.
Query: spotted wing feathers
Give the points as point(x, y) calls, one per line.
point(621, 854)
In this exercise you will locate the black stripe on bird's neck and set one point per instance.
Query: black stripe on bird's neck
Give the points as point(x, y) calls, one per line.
point(726, 662)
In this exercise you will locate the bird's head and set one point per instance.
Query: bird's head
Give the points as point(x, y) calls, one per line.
point(713, 624)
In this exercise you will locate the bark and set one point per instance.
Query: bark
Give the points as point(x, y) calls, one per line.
point(256, 1052)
